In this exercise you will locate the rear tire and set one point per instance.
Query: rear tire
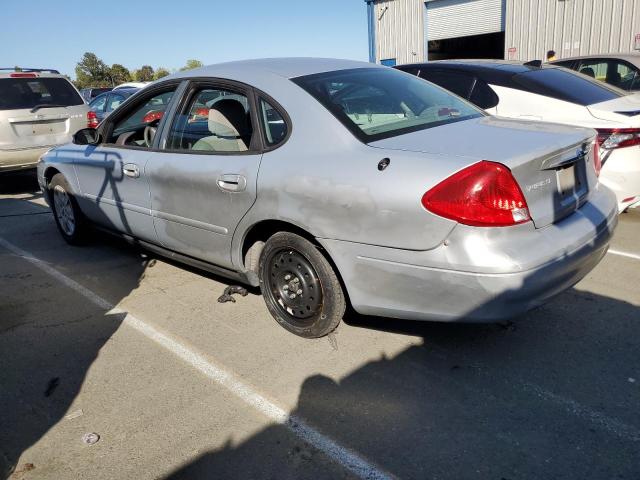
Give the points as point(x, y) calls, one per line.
point(71, 223)
point(300, 287)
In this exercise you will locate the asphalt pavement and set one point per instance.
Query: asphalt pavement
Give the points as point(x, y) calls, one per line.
point(109, 339)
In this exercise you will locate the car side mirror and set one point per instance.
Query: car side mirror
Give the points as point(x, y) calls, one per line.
point(86, 136)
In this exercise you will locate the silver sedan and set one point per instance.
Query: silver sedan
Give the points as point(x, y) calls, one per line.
point(331, 183)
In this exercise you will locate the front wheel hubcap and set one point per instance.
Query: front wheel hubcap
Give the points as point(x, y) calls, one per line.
point(64, 210)
point(294, 285)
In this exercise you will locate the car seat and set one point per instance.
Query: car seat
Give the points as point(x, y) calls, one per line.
point(229, 126)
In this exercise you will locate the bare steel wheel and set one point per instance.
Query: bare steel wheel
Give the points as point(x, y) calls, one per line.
point(70, 220)
point(299, 286)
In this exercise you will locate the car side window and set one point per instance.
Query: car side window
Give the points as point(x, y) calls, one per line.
point(114, 102)
point(629, 76)
point(213, 120)
point(457, 83)
point(595, 69)
point(97, 105)
point(138, 126)
point(483, 95)
point(275, 126)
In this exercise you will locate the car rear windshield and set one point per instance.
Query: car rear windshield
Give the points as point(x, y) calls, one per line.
point(568, 86)
point(377, 103)
point(21, 93)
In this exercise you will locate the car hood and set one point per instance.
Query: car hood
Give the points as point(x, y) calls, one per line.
point(623, 109)
point(491, 138)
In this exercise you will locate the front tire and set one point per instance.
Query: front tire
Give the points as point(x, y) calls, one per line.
point(69, 219)
point(300, 287)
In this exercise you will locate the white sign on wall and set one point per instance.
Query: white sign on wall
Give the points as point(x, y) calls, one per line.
point(637, 42)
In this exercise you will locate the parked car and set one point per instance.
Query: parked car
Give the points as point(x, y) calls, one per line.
point(553, 94)
point(327, 182)
point(131, 85)
point(90, 93)
point(104, 104)
point(619, 70)
point(39, 109)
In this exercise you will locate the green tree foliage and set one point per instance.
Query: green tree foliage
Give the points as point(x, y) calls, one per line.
point(92, 72)
point(119, 74)
point(191, 64)
point(161, 72)
point(144, 74)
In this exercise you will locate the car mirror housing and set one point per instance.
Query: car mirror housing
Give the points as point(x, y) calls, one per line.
point(86, 136)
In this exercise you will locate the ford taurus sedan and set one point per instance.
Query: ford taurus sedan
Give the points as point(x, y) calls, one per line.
point(333, 183)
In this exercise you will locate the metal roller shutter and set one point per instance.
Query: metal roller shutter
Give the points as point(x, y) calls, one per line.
point(462, 18)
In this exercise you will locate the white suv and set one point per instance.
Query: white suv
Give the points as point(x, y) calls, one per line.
point(39, 109)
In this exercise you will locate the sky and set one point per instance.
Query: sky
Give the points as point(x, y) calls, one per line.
point(56, 33)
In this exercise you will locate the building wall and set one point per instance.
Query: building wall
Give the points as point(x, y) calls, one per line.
point(399, 30)
point(570, 27)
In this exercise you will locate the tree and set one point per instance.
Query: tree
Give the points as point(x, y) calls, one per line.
point(92, 72)
point(119, 74)
point(191, 64)
point(161, 72)
point(144, 74)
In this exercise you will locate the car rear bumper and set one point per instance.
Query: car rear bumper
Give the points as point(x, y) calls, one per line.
point(478, 275)
point(621, 173)
point(21, 158)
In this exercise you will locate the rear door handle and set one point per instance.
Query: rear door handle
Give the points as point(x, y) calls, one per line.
point(131, 170)
point(232, 182)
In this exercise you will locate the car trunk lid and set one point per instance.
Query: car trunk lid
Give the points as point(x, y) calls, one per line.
point(551, 163)
point(623, 109)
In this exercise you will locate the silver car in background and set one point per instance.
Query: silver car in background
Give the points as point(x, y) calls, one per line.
point(331, 183)
point(39, 109)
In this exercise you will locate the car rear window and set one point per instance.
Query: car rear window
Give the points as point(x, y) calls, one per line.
point(21, 93)
point(377, 103)
point(568, 86)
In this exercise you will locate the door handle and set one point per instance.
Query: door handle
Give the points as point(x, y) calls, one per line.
point(131, 170)
point(231, 182)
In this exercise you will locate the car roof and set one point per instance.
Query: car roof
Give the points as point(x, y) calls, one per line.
point(510, 67)
point(290, 67)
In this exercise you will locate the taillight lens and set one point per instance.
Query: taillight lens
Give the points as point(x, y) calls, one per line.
point(92, 119)
point(610, 138)
point(152, 116)
point(484, 195)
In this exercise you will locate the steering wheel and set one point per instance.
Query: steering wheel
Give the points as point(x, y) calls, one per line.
point(149, 133)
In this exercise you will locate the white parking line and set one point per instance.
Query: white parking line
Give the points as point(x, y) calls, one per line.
point(624, 254)
point(338, 453)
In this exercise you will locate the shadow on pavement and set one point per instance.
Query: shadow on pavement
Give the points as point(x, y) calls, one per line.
point(545, 397)
point(25, 181)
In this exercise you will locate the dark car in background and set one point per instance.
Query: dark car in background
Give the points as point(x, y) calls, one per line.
point(90, 93)
point(101, 106)
point(621, 70)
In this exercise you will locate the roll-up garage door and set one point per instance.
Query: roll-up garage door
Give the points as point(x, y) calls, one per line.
point(462, 18)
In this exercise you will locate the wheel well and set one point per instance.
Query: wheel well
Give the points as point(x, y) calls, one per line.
point(261, 232)
point(49, 173)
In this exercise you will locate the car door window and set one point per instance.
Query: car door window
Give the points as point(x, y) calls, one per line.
point(138, 126)
point(483, 95)
point(275, 126)
point(629, 76)
point(113, 102)
point(595, 69)
point(454, 82)
point(213, 120)
point(97, 105)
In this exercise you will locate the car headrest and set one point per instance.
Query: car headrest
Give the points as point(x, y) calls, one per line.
point(227, 118)
point(588, 71)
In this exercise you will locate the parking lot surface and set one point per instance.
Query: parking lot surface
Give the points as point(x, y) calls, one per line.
point(108, 339)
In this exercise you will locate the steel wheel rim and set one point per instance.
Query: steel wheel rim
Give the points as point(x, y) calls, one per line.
point(294, 286)
point(64, 210)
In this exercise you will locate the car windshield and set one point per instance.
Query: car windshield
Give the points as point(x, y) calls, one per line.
point(22, 93)
point(376, 103)
point(568, 85)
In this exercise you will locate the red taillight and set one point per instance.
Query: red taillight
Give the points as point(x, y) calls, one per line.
point(483, 195)
point(202, 112)
point(597, 162)
point(152, 116)
point(610, 138)
point(92, 119)
point(23, 75)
